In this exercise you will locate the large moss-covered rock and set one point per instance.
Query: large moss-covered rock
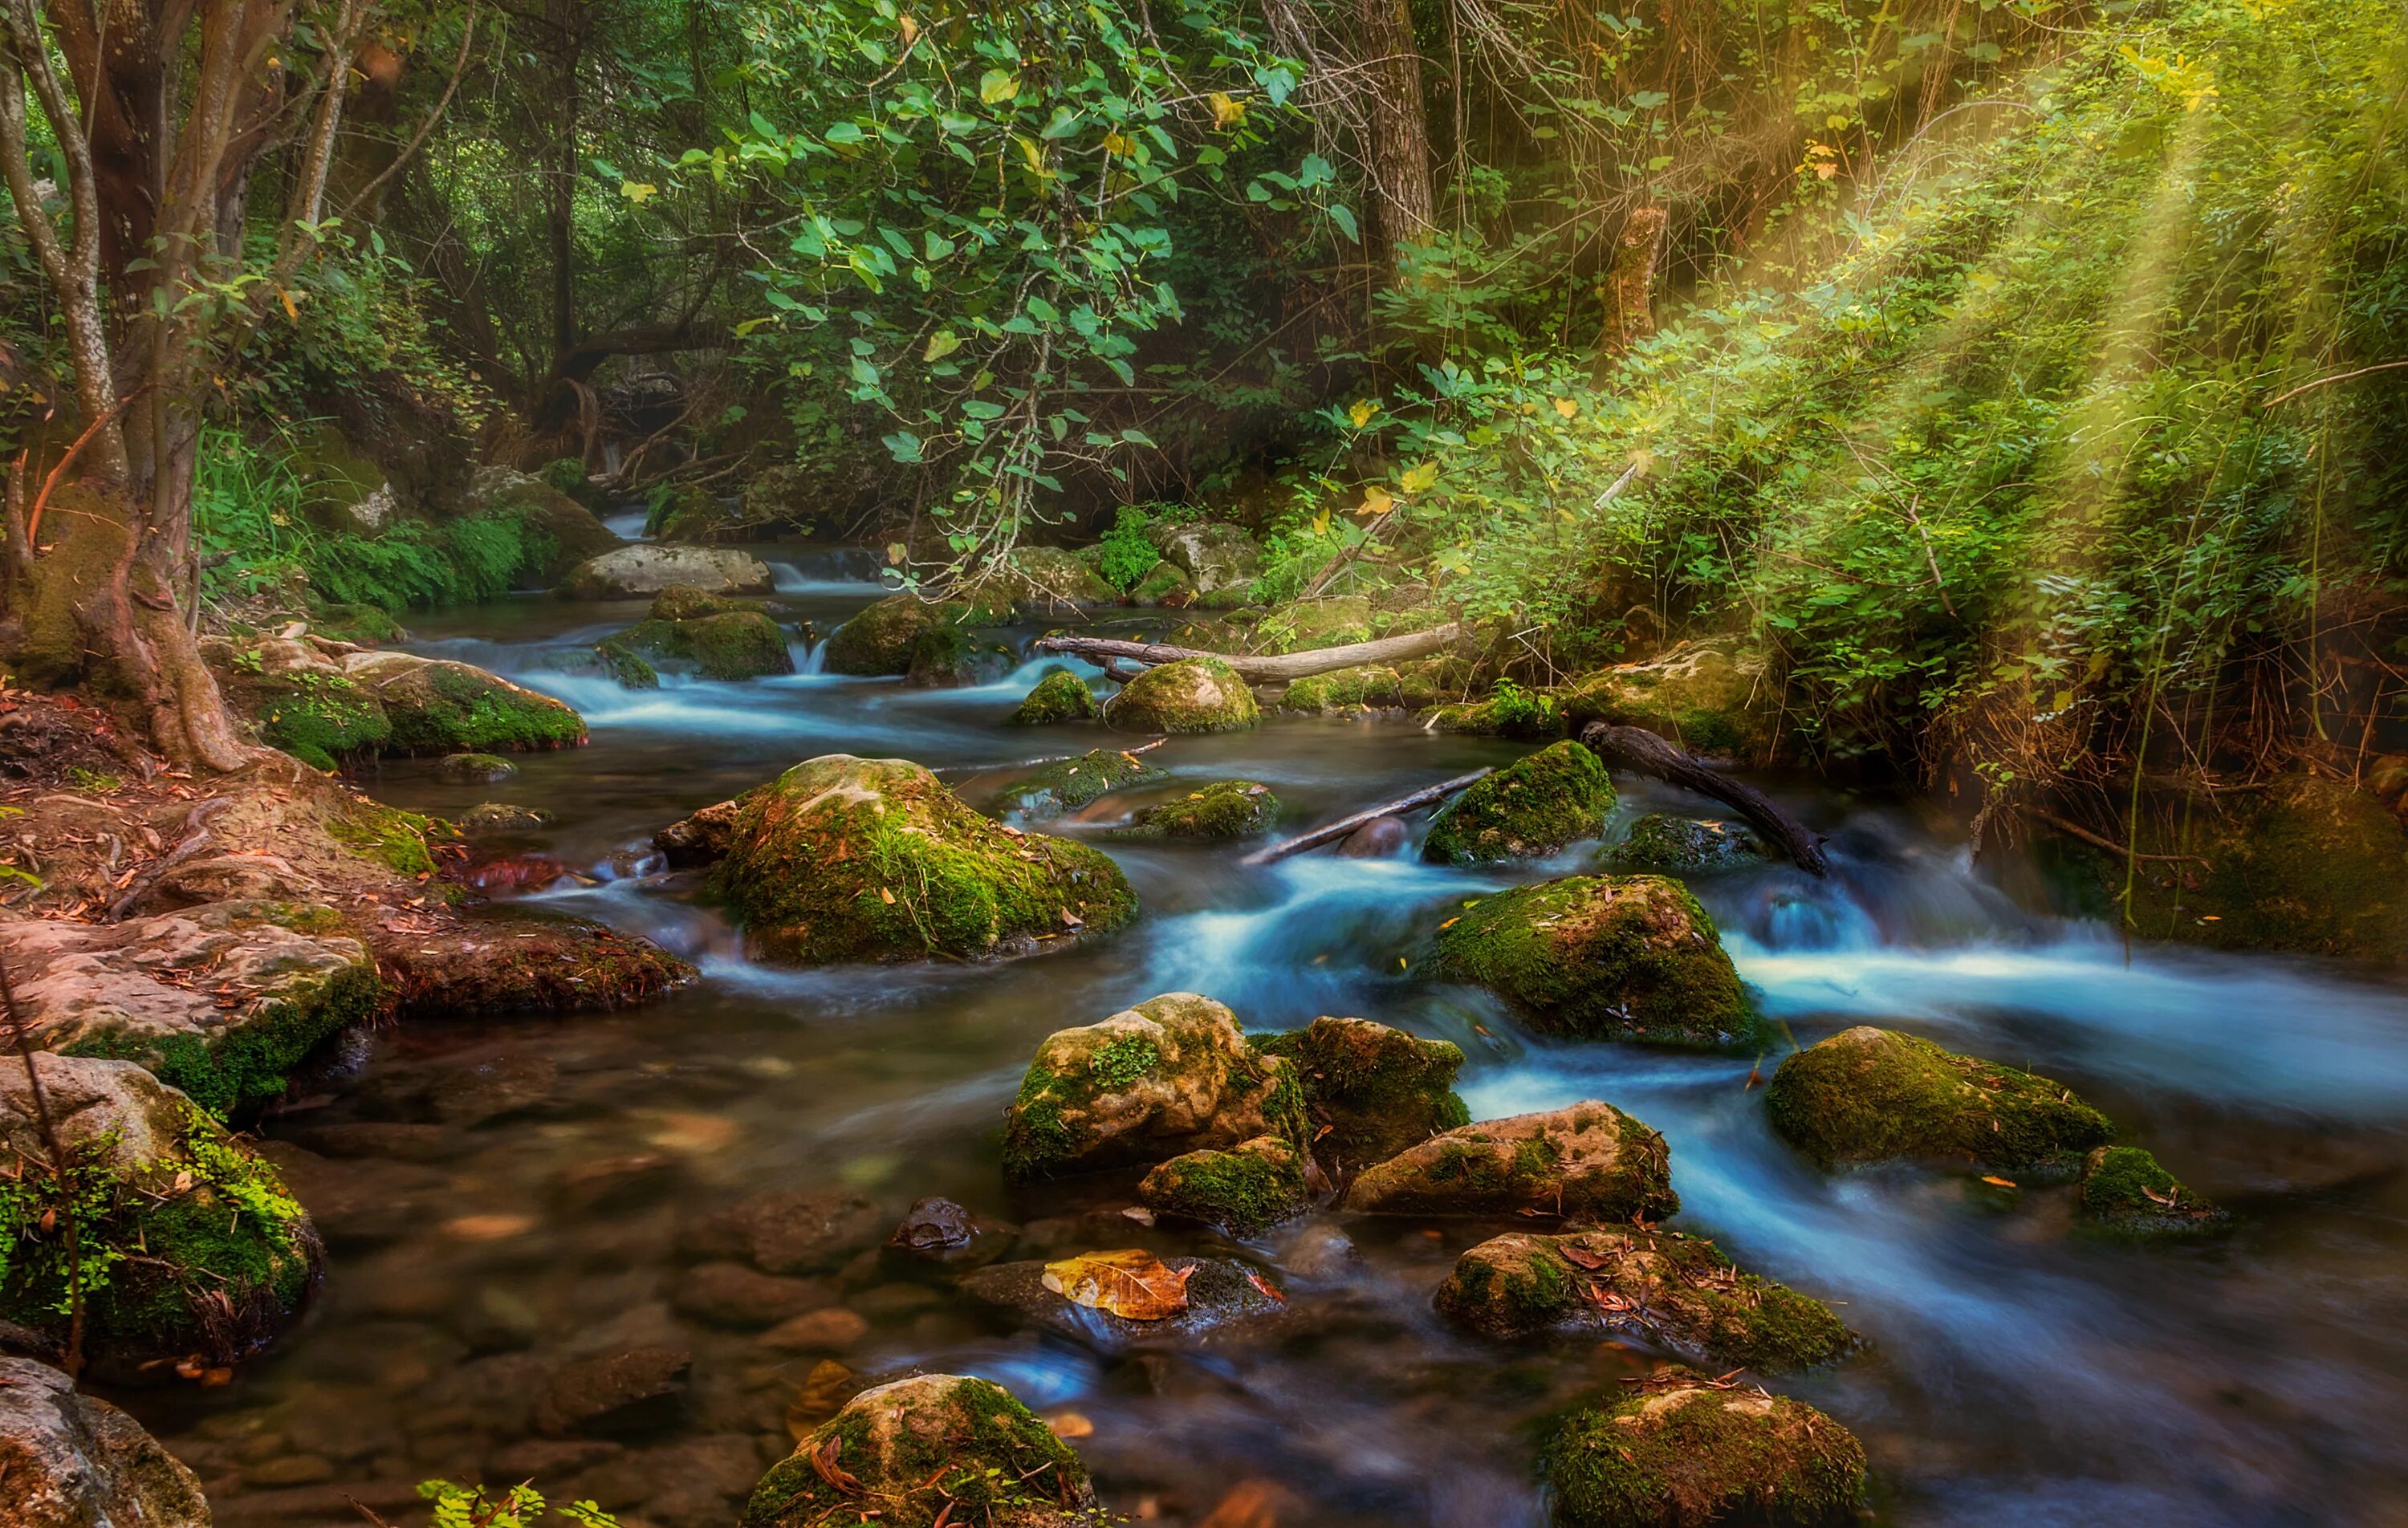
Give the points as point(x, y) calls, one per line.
point(1165, 585)
point(1068, 784)
point(1222, 810)
point(2125, 1188)
point(73, 1460)
point(930, 1446)
point(880, 639)
point(948, 657)
point(1530, 809)
point(1059, 696)
point(631, 571)
point(556, 531)
point(1306, 625)
point(222, 1001)
point(1170, 1075)
point(1215, 557)
point(1707, 697)
point(439, 706)
point(1365, 687)
point(1254, 1184)
point(1587, 1161)
point(1370, 1092)
point(1662, 844)
point(1869, 1094)
point(1510, 711)
point(1683, 1452)
point(847, 859)
point(691, 632)
point(1666, 1289)
point(1193, 694)
point(1052, 578)
point(201, 1252)
point(1629, 958)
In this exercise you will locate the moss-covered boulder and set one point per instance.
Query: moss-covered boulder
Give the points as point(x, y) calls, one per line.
point(1165, 584)
point(1532, 807)
point(1661, 844)
point(1869, 1094)
point(847, 859)
point(1222, 810)
point(474, 768)
point(1708, 697)
point(1343, 691)
point(1308, 625)
point(948, 657)
point(556, 533)
point(1170, 1075)
point(1052, 578)
point(222, 1001)
point(1068, 784)
point(1626, 958)
point(1587, 1161)
point(1254, 1184)
point(935, 1445)
point(1059, 696)
point(1193, 694)
point(631, 571)
point(2124, 1189)
point(1370, 1092)
point(194, 1251)
point(439, 706)
point(1216, 558)
point(1666, 1290)
point(880, 639)
point(321, 720)
point(1684, 1451)
point(1510, 711)
point(691, 632)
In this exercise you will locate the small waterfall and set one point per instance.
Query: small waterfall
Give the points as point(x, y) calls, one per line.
point(810, 657)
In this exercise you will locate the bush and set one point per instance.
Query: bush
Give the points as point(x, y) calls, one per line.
point(1124, 556)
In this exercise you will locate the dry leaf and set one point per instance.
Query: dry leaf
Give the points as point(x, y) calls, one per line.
point(1131, 1282)
point(886, 896)
point(1265, 1285)
point(1070, 1425)
point(2001, 1182)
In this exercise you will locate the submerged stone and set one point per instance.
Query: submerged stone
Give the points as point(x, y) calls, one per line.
point(2124, 1189)
point(1170, 1075)
point(1222, 810)
point(1587, 1161)
point(1664, 844)
point(1370, 1092)
point(1530, 809)
point(1671, 1291)
point(1059, 696)
point(1254, 1184)
point(935, 1445)
point(847, 859)
point(1192, 695)
point(1869, 1094)
point(1068, 784)
point(1629, 958)
point(475, 768)
point(941, 1232)
point(1684, 1451)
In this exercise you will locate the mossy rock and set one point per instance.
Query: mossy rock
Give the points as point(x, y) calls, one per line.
point(1170, 1075)
point(846, 859)
point(1706, 697)
point(1192, 695)
point(1221, 559)
point(1370, 1091)
point(320, 718)
point(1252, 1185)
point(192, 1247)
point(1532, 807)
point(1219, 811)
point(399, 840)
point(948, 657)
point(878, 640)
point(929, 1447)
point(685, 602)
point(556, 531)
point(475, 768)
point(1666, 1290)
point(1626, 958)
point(1308, 625)
point(1164, 584)
point(1510, 711)
point(735, 644)
point(1586, 1161)
point(1340, 691)
point(567, 475)
point(1050, 577)
point(1663, 844)
point(1869, 1094)
point(503, 820)
point(438, 707)
point(2125, 1190)
point(1059, 696)
point(1068, 784)
point(366, 624)
point(1683, 1452)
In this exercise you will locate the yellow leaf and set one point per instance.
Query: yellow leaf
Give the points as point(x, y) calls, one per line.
point(996, 87)
point(1227, 111)
point(1416, 478)
point(1361, 413)
point(2001, 1182)
point(291, 309)
point(1070, 1425)
point(1566, 408)
point(896, 552)
point(941, 344)
point(1131, 1283)
point(1377, 500)
point(637, 192)
point(1321, 523)
point(910, 31)
point(749, 324)
point(886, 896)
point(1031, 152)
point(1115, 144)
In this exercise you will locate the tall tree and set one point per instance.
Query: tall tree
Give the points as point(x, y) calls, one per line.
point(1399, 165)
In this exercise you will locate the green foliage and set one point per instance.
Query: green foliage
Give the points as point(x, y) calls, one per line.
point(472, 1506)
point(1124, 556)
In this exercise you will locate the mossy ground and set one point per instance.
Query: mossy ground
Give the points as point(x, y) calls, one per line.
point(846, 859)
point(1059, 696)
point(1869, 1094)
point(1370, 1091)
point(1223, 809)
point(1193, 695)
point(1068, 784)
point(1681, 1453)
point(321, 718)
point(1511, 711)
point(1632, 958)
point(1242, 1191)
point(396, 839)
point(1528, 809)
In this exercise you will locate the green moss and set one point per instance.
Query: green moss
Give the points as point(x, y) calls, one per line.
point(1530, 809)
point(1069, 785)
point(969, 1453)
point(1122, 1061)
point(627, 668)
point(1223, 810)
point(1036, 1139)
point(322, 719)
point(736, 644)
point(947, 657)
point(845, 858)
point(685, 602)
point(1193, 695)
point(2124, 1189)
point(1663, 844)
point(1511, 711)
point(1059, 696)
point(395, 838)
point(1310, 624)
point(233, 1070)
point(455, 710)
point(366, 624)
point(1869, 1094)
point(1165, 584)
point(1258, 1184)
point(1370, 1091)
point(1681, 1452)
point(878, 640)
point(1365, 687)
point(1632, 958)
point(1704, 699)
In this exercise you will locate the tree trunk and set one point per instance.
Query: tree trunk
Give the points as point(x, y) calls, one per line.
point(1631, 285)
point(1399, 158)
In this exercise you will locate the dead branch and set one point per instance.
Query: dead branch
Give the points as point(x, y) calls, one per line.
point(1274, 669)
point(1642, 753)
point(1427, 795)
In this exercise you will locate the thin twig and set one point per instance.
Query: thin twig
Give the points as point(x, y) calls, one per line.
point(2328, 381)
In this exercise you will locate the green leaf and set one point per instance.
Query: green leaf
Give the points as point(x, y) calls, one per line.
point(904, 445)
point(996, 87)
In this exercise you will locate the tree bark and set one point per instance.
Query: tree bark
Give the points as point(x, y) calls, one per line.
point(1399, 151)
point(1642, 753)
point(1427, 795)
point(1273, 669)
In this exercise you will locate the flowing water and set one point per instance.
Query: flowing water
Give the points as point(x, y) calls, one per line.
point(2018, 1372)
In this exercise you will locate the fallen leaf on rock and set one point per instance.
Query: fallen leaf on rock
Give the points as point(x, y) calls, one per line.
point(1131, 1283)
point(1067, 1424)
point(1266, 1286)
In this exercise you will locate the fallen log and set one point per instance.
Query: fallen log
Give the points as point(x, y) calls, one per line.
point(1345, 825)
point(1276, 668)
point(1642, 753)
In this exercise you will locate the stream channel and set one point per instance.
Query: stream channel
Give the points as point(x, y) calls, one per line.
point(2016, 1370)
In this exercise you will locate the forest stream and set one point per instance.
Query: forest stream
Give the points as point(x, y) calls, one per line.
point(2016, 1369)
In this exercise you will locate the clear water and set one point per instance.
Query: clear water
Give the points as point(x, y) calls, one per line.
point(2017, 1374)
